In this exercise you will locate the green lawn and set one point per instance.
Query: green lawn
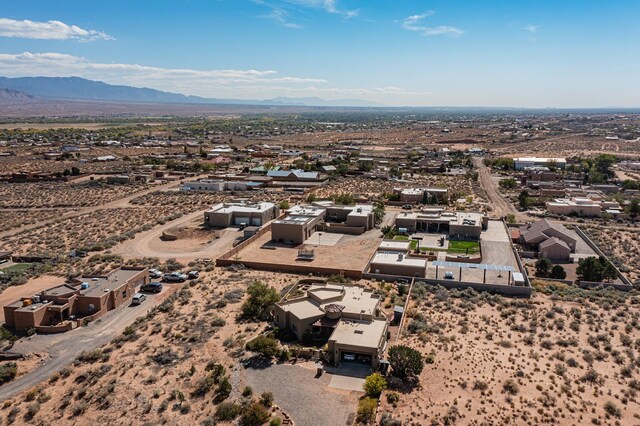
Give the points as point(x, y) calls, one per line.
point(464, 247)
point(17, 267)
point(401, 238)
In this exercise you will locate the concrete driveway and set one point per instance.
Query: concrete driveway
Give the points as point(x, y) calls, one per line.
point(348, 376)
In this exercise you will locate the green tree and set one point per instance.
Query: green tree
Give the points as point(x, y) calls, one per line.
point(508, 183)
point(284, 205)
point(266, 346)
point(634, 207)
point(609, 271)
point(260, 302)
point(558, 272)
point(405, 362)
point(590, 269)
point(374, 384)
point(543, 266)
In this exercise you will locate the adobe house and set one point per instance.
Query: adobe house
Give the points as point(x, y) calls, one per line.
point(348, 316)
point(237, 212)
point(92, 296)
point(550, 239)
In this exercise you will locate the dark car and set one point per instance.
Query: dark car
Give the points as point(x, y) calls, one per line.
point(152, 287)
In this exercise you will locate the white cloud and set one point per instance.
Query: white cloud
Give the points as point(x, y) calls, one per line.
point(283, 12)
point(330, 6)
point(414, 23)
point(531, 28)
point(50, 30)
point(225, 83)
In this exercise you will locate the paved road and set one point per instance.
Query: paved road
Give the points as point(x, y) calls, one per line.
point(120, 202)
point(63, 348)
point(501, 206)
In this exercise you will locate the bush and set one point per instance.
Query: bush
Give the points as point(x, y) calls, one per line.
point(266, 399)
point(224, 389)
point(8, 372)
point(366, 410)
point(387, 420)
point(227, 411)
point(611, 409)
point(393, 398)
point(260, 302)
point(510, 387)
point(254, 414)
point(558, 272)
point(374, 385)
point(266, 346)
point(405, 362)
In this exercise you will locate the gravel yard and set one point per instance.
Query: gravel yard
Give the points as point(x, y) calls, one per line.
point(308, 400)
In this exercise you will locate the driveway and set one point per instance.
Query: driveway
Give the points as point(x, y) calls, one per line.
point(307, 399)
point(348, 376)
point(63, 348)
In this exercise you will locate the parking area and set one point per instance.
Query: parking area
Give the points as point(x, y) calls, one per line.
point(348, 376)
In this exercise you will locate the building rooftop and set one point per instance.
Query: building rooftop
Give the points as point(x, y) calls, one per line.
point(387, 258)
point(241, 207)
point(364, 334)
point(394, 245)
point(99, 285)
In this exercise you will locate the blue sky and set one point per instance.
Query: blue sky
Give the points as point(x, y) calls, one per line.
point(540, 53)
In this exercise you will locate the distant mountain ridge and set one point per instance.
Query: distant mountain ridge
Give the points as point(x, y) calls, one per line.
point(11, 96)
point(82, 89)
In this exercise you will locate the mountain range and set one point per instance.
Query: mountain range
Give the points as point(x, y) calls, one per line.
point(77, 88)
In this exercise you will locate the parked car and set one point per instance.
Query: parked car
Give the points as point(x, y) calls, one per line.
point(242, 226)
point(152, 287)
point(175, 277)
point(448, 275)
point(154, 273)
point(138, 298)
point(407, 206)
point(349, 357)
point(193, 275)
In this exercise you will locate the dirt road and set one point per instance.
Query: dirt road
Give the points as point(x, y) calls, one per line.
point(501, 206)
point(63, 348)
point(148, 244)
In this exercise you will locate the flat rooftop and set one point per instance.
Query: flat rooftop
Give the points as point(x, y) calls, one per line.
point(103, 284)
point(395, 245)
point(364, 334)
point(310, 211)
point(386, 258)
point(241, 207)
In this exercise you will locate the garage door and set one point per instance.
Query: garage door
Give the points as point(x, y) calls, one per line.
point(239, 220)
point(356, 358)
point(256, 221)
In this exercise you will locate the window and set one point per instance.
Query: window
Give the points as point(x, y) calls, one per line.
point(124, 294)
point(294, 327)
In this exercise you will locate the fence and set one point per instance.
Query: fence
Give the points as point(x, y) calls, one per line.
point(292, 269)
point(235, 250)
point(506, 290)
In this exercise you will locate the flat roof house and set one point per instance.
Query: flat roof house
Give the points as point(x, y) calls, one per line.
point(300, 223)
point(456, 224)
point(237, 212)
point(348, 316)
point(417, 195)
point(87, 297)
point(395, 263)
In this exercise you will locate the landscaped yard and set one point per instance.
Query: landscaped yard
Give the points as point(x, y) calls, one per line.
point(464, 247)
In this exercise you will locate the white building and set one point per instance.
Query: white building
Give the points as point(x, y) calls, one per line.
point(522, 163)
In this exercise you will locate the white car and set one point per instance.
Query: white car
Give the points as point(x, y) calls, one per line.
point(138, 298)
point(448, 275)
point(349, 357)
point(154, 273)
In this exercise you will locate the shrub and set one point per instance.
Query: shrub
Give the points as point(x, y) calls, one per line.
point(8, 372)
point(558, 272)
point(510, 387)
point(224, 389)
point(405, 362)
point(266, 346)
point(32, 410)
point(393, 398)
point(266, 399)
point(227, 411)
point(387, 420)
point(276, 421)
point(374, 385)
point(366, 410)
point(611, 409)
point(247, 391)
point(254, 414)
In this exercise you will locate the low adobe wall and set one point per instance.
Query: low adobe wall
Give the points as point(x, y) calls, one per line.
point(52, 329)
point(506, 290)
point(338, 228)
point(293, 269)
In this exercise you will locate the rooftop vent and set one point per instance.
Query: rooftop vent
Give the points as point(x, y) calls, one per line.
point(358, 331)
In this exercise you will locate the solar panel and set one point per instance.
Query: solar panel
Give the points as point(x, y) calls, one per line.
point(474, 266)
